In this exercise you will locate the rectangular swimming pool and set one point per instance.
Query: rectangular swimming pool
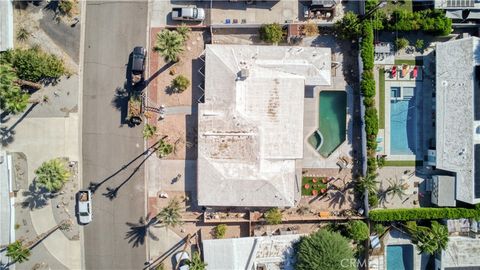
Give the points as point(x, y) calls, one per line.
point(400, 257)
point(403, 119)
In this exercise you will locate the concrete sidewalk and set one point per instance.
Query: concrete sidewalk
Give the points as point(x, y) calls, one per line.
point(42, 139)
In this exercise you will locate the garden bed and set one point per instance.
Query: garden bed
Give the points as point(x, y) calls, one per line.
point(312, 186)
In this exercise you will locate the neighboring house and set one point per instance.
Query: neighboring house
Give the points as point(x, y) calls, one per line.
point(457, 103)
point(6, 25)
point(250, 128)
point(459, 9)
point(251, 253)
point(460, 254)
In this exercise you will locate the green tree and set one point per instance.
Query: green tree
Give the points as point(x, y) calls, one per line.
point(401, 43)
point(164, 149)
point(378, 228)
point(169, 44)
point(349, 26)
point(324, 250)
point(273, 216)
point(429, 240)
point(271, 33)
point(12, 98)
point(180, 84)
point(196, 262)
point(52, 175)
point(17, 252)
point(420, 45)
point(35, 65)
point(358, 230)
point(170, 215)
point(149, 131)
point(184, 30)
point(220, 231)
point(368, 183)
point(65, 7)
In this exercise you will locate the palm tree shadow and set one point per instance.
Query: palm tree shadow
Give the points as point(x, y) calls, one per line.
point(139, 231)
point(339, 198)
point(37, 197)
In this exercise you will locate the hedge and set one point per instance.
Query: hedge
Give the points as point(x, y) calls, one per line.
point(371, 165)
point(371, 121)
point(368, 50)
point(367, 86)
point(403, 214)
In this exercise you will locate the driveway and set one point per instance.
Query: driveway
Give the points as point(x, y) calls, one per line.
point(110, 148)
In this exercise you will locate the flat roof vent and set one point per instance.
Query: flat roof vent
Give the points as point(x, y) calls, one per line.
point(243, 73)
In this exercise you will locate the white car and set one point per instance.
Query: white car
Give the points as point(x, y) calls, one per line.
point(182, 258)
point(84, 201)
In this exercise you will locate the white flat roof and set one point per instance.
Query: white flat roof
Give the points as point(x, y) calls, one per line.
point(248, 253)
point(455, 124)
point(250, 129)
point(6, 25)
point(461, 252)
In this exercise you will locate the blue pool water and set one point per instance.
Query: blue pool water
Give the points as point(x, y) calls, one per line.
point(402, 122)
point(400, 257)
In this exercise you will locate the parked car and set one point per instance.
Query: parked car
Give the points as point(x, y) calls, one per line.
point(138, 64)
point(190, 13)
point(84, 206)
point(182, 258)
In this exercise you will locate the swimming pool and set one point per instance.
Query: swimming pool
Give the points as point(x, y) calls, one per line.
point(402, 121)
point(332, 121)
point(400, 257)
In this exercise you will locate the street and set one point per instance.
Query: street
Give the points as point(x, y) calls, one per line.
point(111, 150)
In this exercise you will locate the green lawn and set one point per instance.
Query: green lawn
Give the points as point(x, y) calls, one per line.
point(411, 62)
point(403, 163)
point(381, 90)
point(405, 5)
point(312, 186)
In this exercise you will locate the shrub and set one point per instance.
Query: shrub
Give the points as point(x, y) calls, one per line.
point(403, 214)
point(370, 4)
point(12, 98)
point(371, 121)
point(220, 231)
point(36, 65)
point(149, 131)
point(180, 84)
point(381, 161)
point(367, 49)
point(379, 20)
point(401, 43)
point(65, 6)
point(379, 229)
point(367, 85)
point(164, 149)
point(419, 44)
point(358, 230)
point(310, 29)
point(428, 20)
point(349, 26)
point(22, 34)
point(184, 30)
point(373, 200)
point(323, 250)
point(371, 165)
point(273, 216)
point(169, 44)
point(271, 33)
point(369, 101)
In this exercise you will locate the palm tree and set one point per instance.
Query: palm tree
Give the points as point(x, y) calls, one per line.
point(12, 98)
point(395, 189)
point(52, 175)
point(429, 240)
point(149, 131)
point(440, 235)
point(169, 44)
point(196, 262)
point(18, 252)
point(184, 30)
point(170, 215)
point(368, 183)
point(164, 149)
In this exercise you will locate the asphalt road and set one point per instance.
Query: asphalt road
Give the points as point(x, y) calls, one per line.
point(112, 30)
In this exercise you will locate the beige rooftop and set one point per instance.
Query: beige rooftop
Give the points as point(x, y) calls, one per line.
point(250, 128)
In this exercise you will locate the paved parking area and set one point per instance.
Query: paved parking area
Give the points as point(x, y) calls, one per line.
point(160, 12)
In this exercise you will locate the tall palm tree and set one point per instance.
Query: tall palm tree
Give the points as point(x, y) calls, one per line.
point(149, 131)
point(395, 189)
point(17, 252)
point(440, 235)
point(52, 175)
point(429, 239)
point(169, 44)
point(196, 262)
point(12, 98)
point(170, 215)
point(368, 183)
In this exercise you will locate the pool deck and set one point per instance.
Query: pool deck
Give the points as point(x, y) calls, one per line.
point(311, 158)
